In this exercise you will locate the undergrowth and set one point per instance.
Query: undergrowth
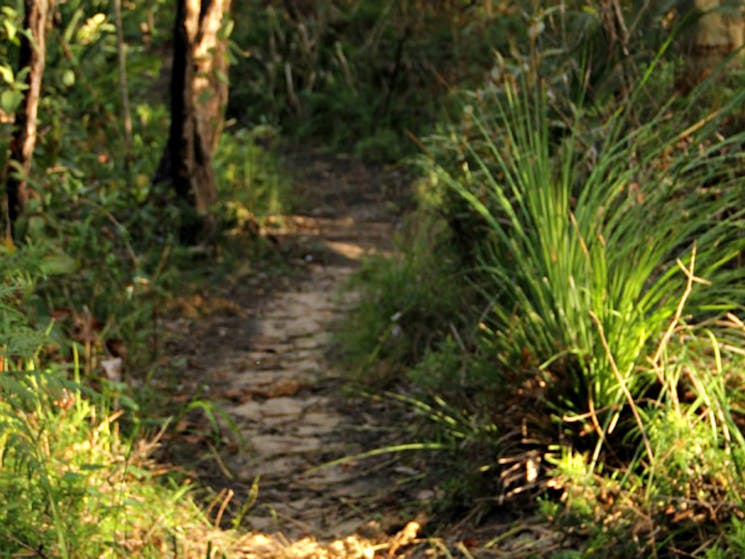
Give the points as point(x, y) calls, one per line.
point(408, 306)
point(83, 293)
point(606, 239)
point(70, 483)
point(79, 335)
point(360, 76)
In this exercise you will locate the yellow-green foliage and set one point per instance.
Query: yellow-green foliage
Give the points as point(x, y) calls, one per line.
point(72, 486)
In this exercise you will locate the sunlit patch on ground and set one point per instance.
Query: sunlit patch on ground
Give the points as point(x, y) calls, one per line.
point(262, 546)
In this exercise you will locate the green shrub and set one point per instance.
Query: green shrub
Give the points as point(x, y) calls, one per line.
point(71, 485)
point(344, 71)
point(408, 304)
point(581, 242)
point(611, 262)
point(250, 183)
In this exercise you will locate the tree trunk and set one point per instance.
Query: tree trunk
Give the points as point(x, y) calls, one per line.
point(31, 55)
point(211, 79)
point(199, 92)
point(717, 33)
point(121, 51)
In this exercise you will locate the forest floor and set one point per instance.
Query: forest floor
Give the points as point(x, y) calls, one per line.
point(258, 346)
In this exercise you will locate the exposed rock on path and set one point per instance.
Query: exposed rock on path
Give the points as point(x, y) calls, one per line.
point(284, 397)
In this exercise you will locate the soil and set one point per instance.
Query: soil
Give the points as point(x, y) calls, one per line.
point(277, 411)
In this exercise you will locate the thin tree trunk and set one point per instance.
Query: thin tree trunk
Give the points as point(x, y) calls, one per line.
point(211, 78)
point(121, 49)
point(31, 55)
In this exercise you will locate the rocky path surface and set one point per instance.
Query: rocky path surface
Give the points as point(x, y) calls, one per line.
point(262, 357)
point(284, 397)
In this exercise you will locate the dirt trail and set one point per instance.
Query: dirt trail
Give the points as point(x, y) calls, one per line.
point(284, 396)
point(263, 360)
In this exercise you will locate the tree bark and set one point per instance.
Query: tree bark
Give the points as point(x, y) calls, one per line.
point(718, 32)
point(211, 79)
point(121, 50)
point(199, 92)
point(31, 55)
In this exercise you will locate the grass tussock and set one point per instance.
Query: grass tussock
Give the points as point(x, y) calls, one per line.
point(74, 487)
point(607, 244)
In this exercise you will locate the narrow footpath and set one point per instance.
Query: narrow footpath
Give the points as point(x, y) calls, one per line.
point(260, 352)
point(270, 410)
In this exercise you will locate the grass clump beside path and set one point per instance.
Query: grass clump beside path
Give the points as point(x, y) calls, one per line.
point(608, 348)
point(71, 484)
point(73, 487)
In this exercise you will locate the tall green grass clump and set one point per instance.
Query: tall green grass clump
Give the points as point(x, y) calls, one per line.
point(594, 246)
point(610, 250)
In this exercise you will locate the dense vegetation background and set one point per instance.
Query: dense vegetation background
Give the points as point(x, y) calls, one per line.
point(566, 308)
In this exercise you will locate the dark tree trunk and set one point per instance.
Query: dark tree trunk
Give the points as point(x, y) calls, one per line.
point(198, 98)
point(31, 55)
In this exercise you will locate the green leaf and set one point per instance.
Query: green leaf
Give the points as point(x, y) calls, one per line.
point(6, 72)
point(91, 467)
point(73, 477)
point(21, 76)
point(58, 264)
point(226, 30)
point(10, 100)
point(128, 403)
point(10, 29)
point(68, 78)
point(72, 26)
